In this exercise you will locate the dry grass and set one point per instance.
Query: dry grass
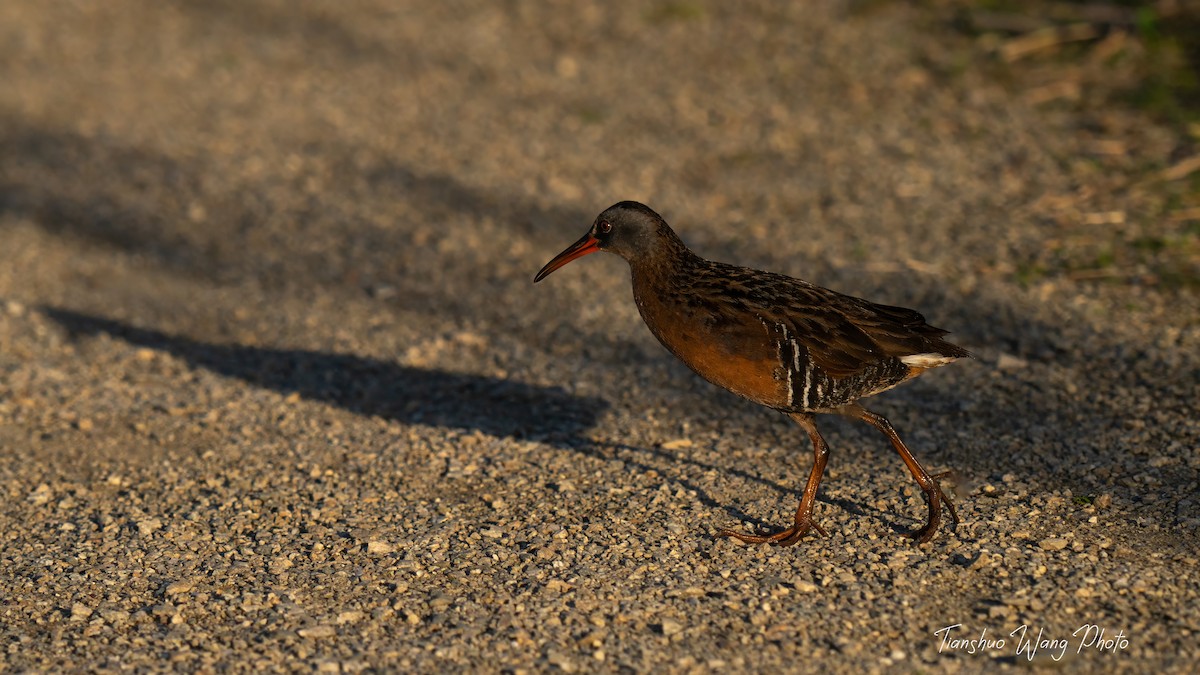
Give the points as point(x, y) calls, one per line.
point(1122, 79)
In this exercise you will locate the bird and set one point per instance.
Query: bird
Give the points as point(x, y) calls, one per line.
point(781, 342)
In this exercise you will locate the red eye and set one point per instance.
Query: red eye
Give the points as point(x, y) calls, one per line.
point(604, 227)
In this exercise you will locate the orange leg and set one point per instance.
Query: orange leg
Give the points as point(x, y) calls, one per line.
point(934, 496)
point(803, 520)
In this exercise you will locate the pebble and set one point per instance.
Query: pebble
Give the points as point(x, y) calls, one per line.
point(671, 627)
point(352, 616)
point(1053, 543)
point(1010, 362)
point(149, 526)
point(379, 547)
point(14, 308)
point(41, 495)
point(560, 660)
point(80, 612)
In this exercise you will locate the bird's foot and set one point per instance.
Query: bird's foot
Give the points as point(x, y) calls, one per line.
point(935, 513)
point(787, 537)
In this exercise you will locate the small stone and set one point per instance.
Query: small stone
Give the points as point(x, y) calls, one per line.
point(80, 612)
point(677, 444)
point(85, 425)
point(492, 533)
point(1103, 501)
point(1053, 543)
point(671, 627)
point(380, 547)
point(471, 338)
point(321, 631)
point(352, 616)
point(566, 67)
point(559, 659)
point(14, 308)
point(165, 609)
point(41, 495)
point(178, 587)
point(383, 291)
point(148, 526)
point(806, 587)
point(1010, 362)
point(115, 615)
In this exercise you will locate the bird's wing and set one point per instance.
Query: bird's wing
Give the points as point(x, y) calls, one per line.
point(844, 334)
point(834, 344)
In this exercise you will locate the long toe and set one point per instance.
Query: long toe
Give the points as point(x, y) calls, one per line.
point(787, 537)
point(949, 506)
point(937, 477)
point(935, 518)
point(949, 509)
point(925, 534)
point(748, 538)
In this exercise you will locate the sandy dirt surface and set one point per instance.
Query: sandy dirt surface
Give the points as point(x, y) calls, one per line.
point(277, 392)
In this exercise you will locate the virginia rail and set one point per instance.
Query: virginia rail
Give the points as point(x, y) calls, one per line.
point(778, 341)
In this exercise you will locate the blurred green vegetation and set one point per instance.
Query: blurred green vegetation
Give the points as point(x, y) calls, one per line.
point(1157, 45)
point(1111, 70)
point(666, 12)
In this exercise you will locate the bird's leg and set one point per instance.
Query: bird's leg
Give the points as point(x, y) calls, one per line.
point(803, 521)
point(934, 496)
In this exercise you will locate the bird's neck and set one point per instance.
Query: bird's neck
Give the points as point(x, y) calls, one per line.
point(663, 263)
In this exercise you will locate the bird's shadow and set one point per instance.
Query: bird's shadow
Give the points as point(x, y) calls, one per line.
point(372, 387)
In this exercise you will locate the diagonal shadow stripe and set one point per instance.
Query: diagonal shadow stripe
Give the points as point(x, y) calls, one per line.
point(498, 407)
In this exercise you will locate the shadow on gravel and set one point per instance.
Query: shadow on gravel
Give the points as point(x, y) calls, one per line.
point(497, 407)
point(659, 461)
point(372, 387)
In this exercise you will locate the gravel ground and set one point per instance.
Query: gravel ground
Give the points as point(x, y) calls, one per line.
point(276, 392)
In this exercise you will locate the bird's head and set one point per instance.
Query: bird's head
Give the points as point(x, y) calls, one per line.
point(629, 229)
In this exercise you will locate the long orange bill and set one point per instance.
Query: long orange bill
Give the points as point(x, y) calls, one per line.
point(587, 244)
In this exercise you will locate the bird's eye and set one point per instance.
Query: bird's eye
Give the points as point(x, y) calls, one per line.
point(604, 227)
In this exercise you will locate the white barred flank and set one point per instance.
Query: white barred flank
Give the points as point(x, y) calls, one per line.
point(790, 393)
point(808, 373)
point(927, 360)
